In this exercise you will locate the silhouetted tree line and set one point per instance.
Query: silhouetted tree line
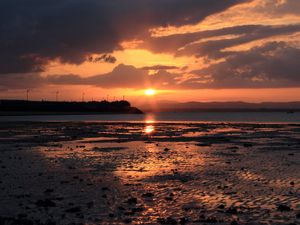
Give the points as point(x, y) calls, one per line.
point(51, 106)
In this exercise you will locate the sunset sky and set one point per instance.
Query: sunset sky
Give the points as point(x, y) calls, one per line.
point(185, 50)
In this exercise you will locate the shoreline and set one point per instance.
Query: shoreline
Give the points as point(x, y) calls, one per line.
point(29, 113)
point(22, 107)
point(204, 117)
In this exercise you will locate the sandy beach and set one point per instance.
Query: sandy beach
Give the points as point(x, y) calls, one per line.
point(141, 173)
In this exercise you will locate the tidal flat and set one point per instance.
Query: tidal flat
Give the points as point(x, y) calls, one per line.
point(149, 173)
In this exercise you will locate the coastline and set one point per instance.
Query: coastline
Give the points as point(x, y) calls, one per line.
point(22, 108)
point(28, 113)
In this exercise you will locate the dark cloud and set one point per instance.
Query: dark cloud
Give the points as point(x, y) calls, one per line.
point(195, 44)
point(123, 76)
point(214, 49)
point(21, 81)
point(160, 67)
point(34, 32)
point(279, 7)
point(172, 43)
point(103, 58)
point(273, 65)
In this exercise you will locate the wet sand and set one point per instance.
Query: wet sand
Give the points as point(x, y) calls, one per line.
point(142, 173)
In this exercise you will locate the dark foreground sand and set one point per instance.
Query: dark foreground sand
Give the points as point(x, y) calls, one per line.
point(106, 173)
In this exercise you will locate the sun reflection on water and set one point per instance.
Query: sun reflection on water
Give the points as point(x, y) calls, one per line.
point(149, 127)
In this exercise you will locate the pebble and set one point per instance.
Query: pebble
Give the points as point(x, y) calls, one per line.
point(283, 208)
point(74, 210)
point(90, 205)
point(168, 220)
point(48, 191)
point(231, 210)
point(45, 203)
point(148, 195)
point(128, 220)
point(132, 201)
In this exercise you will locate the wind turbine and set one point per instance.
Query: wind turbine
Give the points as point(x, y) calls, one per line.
point(56, 95)
point(27, 94)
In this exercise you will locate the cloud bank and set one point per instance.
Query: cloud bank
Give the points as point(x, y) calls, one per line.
point(34, 32)
point(258, 55)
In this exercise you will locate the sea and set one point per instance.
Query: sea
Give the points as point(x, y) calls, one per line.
point(169, 117)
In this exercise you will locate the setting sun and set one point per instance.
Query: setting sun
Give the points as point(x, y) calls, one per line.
point(150, 92)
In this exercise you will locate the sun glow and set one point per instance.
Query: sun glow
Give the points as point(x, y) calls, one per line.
point(150, 92)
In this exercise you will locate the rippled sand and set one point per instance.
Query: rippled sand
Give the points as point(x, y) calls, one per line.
point(143, 173)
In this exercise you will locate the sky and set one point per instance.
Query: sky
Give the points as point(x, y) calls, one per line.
point(185, 50)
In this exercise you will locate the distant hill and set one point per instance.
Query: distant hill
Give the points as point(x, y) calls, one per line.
point(16, 107)
point(166, 106)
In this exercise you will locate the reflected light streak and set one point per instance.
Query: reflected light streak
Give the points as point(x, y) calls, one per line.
point(149, 129)
point(149, 121)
